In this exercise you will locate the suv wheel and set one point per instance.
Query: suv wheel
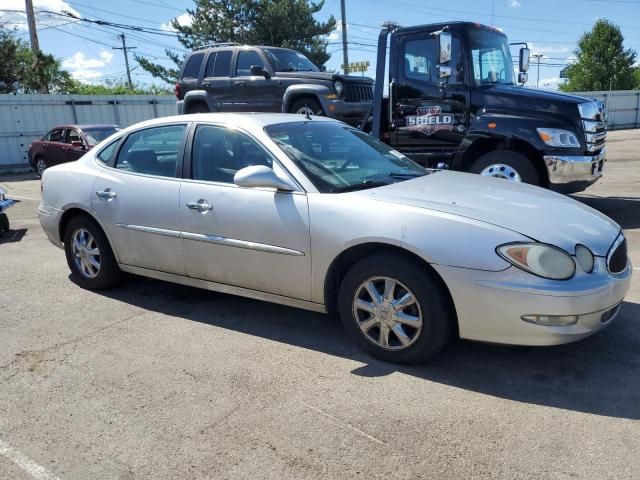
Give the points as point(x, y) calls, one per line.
point(306, 106)
point(199, 108)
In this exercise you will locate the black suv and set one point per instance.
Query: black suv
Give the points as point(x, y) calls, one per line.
point(233, 78)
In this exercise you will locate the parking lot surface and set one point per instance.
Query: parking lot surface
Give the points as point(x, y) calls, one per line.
point(155, 380)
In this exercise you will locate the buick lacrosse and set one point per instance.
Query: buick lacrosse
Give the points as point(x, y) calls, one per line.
point(314, 214)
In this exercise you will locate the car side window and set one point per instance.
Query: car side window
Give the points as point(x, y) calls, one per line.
point(218, 153)
point(421, 60)
point(57, 135)
point(105, 154)
point(192, 67)
point(73, 136)
point(218, 64)
point(152, 151)
point(246, 60)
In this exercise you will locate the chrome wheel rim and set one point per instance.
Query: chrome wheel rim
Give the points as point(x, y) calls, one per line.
point(501, 170)
point(387, 313)
point(86, 254)
point(41, 166)
point(305, 111)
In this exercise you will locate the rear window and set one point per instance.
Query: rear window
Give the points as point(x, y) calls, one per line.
point(192, 68)
point(219, 64)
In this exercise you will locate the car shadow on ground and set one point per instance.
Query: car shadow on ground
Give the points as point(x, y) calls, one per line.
point(13, 236)
point(18, 177)
point(624, 210)
point(599, 375)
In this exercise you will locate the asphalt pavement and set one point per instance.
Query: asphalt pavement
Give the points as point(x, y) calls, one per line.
point(154, 380)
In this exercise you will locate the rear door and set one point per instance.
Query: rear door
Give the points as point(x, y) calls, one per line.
point(255, 93)
point(217, 79)
point(428, 114)
point(137, 196)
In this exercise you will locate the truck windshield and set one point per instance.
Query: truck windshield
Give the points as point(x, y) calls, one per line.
point(490, 58)
point(337, 158)
point(289, 61)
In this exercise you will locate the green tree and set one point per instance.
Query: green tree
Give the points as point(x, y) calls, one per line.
point(602, 61)
point(19, 73)
point(279, 23)
point(116, 87)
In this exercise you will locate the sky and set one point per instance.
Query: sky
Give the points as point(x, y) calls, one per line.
point(550, 27)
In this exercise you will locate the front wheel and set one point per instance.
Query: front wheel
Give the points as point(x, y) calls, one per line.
point(508, 165)
point(41, 166)
point(395, 310)
point(89, 255)
point(307, 107)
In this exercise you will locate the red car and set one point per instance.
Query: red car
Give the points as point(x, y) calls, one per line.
point(66, 143)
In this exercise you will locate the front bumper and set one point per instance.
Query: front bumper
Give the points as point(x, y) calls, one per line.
point(353, 113)
point(490, 305)
point(50, 222)
point(573, 173)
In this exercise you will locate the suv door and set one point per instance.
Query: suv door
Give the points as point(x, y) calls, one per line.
point(54, 153)
point(73, 152)
point(217, 80)
point(247, 237)
point(137, 198)
point(254, 93)
point(428, 114)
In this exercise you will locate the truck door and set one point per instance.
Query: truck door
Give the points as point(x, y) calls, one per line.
point(428, 115)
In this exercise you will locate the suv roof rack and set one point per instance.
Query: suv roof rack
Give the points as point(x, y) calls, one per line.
point(219, 44)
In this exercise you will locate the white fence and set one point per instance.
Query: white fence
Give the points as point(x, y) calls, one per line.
point(25, 118)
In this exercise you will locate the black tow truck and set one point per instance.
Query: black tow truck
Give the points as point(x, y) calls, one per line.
point(452, 102)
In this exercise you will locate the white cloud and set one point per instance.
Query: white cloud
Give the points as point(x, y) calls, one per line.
point(552, 83)
point(84, 68)
point(546, 50)
point(183, 20)
point(18, 19)
point(515, 3)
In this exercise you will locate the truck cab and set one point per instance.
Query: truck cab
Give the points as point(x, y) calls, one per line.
point(454, 102)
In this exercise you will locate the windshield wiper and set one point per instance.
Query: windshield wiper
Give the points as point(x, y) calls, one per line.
point(369, 183)
point(404, 174)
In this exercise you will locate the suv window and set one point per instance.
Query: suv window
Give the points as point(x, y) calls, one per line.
point(73, 136)
point(192, 68)
point(56, 135)
point(219, 64)
point(153, 151)
point(246, 60)
point(421, 60)
point(218, 153)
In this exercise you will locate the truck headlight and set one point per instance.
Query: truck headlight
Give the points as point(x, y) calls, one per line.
point(339, 86)
point(556, 137)
point(543, 260)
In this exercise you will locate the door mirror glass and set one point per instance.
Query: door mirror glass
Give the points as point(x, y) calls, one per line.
point(444, 47)
point(522, 78)
point(524, 59)
point(444, 71)
point(258, 71)
point(77, 143)
point(260, 176)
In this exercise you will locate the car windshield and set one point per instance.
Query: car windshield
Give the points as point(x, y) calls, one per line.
point(490, 57)
point(97, 134)
point(337, 158)
point(289, 61)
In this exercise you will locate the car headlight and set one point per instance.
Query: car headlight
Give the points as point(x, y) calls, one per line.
point(585, 259)
point(339, 86)
point(556, 137)
point(540, 259)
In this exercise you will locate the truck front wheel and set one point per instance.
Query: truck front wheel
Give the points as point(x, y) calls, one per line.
point(509, 165)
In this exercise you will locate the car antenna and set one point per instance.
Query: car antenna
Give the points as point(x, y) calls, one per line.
point(306, 113)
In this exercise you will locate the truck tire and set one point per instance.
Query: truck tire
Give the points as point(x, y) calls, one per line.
point(306, 105)
point(509, 165)
point(198, 107)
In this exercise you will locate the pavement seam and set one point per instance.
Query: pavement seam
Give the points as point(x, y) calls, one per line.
point(25, 463)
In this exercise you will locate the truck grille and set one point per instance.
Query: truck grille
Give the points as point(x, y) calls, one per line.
point(358, 93)
point(617, 259)
point(594, 122)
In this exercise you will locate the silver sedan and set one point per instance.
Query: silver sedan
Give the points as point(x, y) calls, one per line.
point(314, 214)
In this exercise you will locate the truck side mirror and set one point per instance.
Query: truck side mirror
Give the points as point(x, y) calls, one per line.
point(444, 71)
point(524, 59)
point(444, 47)
point(522, 78)
point(258, 71)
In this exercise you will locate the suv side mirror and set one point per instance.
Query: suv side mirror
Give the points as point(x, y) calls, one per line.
point(524, 59)
point(444, 47)
point(77, 143)
point(258, 71)
point(261, 176)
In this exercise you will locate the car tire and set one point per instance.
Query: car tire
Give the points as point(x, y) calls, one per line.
point(306, 105)
point(40, 166)
point(508, 165)
point(93, 271)
point(198, 108)
point(4, 223)
point(426, 325)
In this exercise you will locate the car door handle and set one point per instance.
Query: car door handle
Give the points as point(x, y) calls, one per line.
point(107, 193)
point(241, 84)
point(200, 205)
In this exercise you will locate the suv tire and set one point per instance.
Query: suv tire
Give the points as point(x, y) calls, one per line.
point(198, 107)
point(305, 105)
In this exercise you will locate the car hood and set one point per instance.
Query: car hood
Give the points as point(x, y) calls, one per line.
point(539, 214)
point(328, 76)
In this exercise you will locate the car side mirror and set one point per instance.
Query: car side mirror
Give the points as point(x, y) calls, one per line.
point(77, 143)
point(524, 60)
point(258, 71)
point(523, 77)
point(260, 176)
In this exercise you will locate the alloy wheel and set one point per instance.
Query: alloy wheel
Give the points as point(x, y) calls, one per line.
point(86, 254)
point(306, 111)
point(502, 170)
point(41, 166)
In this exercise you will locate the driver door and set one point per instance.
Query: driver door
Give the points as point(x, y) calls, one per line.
point(254, 93)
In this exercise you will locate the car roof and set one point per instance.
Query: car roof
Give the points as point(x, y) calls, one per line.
point(257, 120)
point(83, 127)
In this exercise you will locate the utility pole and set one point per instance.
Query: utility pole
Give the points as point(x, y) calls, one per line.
point(35, 45)
point(125, 49)
point(345, 52)
point(538, 56)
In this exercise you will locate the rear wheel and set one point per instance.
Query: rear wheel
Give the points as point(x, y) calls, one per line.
point(395, 310)
point(306, 106)
point(89, 255)
point(41, 166)
point(512, 166)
